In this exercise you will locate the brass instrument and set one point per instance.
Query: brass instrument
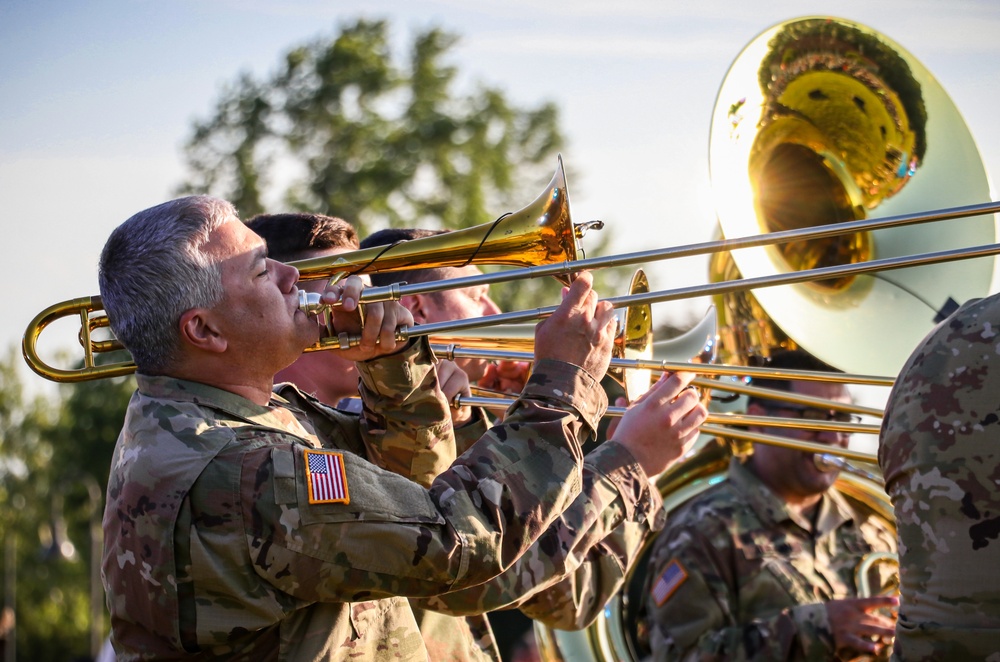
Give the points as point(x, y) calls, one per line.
point(310, 302)
point(540, 233)
point(862, 573)
point(819, 123)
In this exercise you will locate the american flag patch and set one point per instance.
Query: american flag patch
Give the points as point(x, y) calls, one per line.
point(671, 578)
point(326, 477)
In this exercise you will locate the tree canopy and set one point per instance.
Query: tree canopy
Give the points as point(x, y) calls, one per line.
point(341, 128)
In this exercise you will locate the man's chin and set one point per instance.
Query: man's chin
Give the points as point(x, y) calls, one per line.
point(309, 330)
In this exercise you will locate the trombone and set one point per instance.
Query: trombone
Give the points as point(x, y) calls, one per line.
point(692, 351)
point(396, 291)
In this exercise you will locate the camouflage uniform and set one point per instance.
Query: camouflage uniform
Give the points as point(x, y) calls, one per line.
point(601, 531)
point(220, 541)
point(940, 453)
point(736, 575)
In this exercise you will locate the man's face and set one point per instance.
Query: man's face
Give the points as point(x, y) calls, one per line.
point(457, 304)
point(790, 473)
point(259, 314)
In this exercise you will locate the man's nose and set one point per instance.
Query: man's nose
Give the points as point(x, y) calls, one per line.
point(490, 307)
point(287, 276)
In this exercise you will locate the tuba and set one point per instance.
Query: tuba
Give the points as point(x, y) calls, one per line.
point(819, 121)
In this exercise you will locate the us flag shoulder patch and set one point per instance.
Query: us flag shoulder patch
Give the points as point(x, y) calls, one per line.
point(326, 477)
point(669, 581)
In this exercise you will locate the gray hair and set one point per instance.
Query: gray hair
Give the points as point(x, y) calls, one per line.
point(152, 270)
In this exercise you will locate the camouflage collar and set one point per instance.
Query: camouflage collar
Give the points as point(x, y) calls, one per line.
point(834, 511)
point(203, 395)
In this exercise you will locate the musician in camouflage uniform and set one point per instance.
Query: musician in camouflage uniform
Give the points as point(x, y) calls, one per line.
point(243, 525)
point(453, 626)
point(940, 455)
point(761, 566)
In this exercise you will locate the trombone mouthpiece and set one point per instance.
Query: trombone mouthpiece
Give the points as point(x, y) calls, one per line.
point(309, 302)
point(827, 463)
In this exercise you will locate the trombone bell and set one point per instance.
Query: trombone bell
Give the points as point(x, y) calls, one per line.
point(541, 233)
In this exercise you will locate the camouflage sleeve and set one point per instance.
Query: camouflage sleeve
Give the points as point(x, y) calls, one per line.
point(406, 423)
point(692, 607)
point(470, 433)
point(939, 451)
point(384, 535)
point(576, 601)
point(568, 575)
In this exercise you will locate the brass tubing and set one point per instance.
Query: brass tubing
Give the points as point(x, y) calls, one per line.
point(784, 442)
point(82, 307)
point(396, 291)
point(452, 352)
point(717, 425)
point(785, 396)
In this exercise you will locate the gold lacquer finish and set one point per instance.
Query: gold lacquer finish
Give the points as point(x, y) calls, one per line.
point(822, 121)
point(540, 233)
point(81, 307)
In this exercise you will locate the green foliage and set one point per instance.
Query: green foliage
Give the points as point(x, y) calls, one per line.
point(54, 459)
point(371, 141)
point(342, 129)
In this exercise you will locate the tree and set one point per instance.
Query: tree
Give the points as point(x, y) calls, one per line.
point(54, 459)
point(375, 143)
point(340, 129)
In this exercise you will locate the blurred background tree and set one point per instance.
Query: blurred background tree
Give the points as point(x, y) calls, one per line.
point(341, 129)
point(55, 454)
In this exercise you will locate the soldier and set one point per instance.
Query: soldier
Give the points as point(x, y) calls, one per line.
point(573, 602)
point(453, 626)
point(241, 524)
point(939, 454)
point(761, 566)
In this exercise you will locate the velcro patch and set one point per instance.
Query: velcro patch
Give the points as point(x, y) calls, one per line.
point(669, 581)
point(326, 477)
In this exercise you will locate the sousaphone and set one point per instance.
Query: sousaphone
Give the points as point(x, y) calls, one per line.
point(822, 120)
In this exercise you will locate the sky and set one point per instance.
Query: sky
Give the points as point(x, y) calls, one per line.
point(98, 98)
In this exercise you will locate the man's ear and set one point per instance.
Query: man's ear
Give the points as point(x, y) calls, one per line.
point(417, 305)
point(198, 330)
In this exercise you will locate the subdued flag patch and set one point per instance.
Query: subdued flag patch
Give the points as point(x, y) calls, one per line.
point(670, 579)
point(326, 477)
